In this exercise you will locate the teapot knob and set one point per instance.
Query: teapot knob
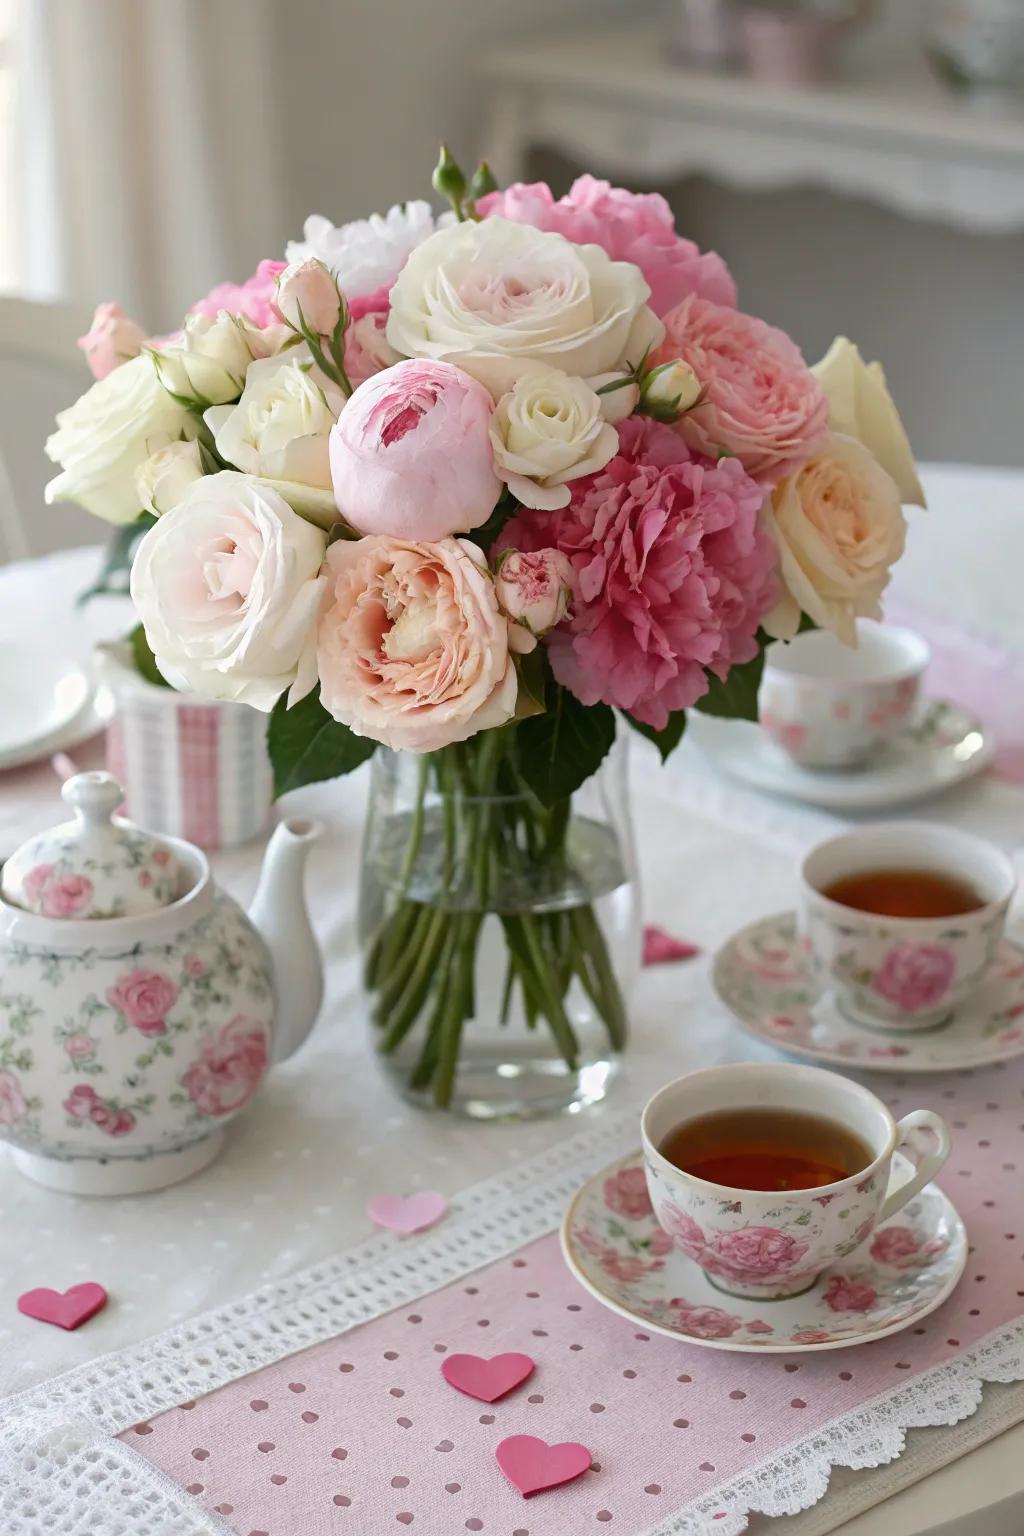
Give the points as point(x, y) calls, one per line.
point(94, 796)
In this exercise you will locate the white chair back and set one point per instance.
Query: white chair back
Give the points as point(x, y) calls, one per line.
point(41, 372)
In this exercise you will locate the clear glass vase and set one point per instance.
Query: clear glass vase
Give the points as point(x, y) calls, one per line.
point(500, 938)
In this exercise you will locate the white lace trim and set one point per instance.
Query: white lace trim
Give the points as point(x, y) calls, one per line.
point(62, 1470)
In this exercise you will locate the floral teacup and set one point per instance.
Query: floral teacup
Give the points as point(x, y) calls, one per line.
point(769, 1244)
point(903, 973)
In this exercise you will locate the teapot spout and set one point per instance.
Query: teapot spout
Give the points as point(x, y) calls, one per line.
point(280, 914)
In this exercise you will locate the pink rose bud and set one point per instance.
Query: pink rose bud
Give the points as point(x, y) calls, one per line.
point(411, 453)
point(308, 297)
point(534, 590)
point(111, 340)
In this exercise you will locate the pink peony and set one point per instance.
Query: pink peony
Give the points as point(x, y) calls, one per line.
point(66, 895)
point(367, 349)
point(703, 1322)
point(630, 226)
point(672, 571)
point(254, 298)
point(12, 1100)
point(112, 339)
point(412, 649)
point(625, 1193)
point(753, 1254)
point(144, 999)
point(760, 400)
point(411, 456)
point(229, 1068)
point(915, 976)
point(845, 1295)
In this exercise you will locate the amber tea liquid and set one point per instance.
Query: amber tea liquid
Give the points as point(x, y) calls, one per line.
point(766, 1149)
point(905, 893)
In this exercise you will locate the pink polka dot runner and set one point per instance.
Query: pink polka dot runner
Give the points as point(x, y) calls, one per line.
point(361, 1434)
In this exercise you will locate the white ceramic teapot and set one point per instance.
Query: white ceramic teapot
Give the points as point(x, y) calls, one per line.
point(140, 1008)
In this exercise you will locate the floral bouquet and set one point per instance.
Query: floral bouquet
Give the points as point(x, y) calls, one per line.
point(483, 488)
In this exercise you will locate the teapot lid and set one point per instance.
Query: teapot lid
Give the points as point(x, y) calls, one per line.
point(97, 866)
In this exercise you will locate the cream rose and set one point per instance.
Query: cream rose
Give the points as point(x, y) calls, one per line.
point(108, 434)
point(839, 527)
point(412, 648)
point(208, 361)
point(228, 585)
point(167, 474)
point(860, 406)
point(549, 428)
point(490, 296)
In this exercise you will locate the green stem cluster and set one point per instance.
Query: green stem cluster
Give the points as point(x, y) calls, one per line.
point(421, 962)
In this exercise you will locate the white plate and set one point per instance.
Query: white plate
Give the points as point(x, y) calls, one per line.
point(46, 703)
point(761, 975)
point(944, 746)
point(628, 1264)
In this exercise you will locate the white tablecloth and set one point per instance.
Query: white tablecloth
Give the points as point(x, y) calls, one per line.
point(327, 1131)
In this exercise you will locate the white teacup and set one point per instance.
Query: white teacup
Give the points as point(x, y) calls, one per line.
point(903, 973)
point(775, 1244)
point(830, 705)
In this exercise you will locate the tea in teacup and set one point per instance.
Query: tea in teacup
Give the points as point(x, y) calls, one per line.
point(766, 1149)
point(906, 893)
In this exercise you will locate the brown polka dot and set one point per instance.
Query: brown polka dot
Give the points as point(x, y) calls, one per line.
point(445, 1445)
point(629, 1375)
point(440, 1349)
point(903, 1365)
point(519, 1531)
point(339, 1453)
point(535, 1397)
point(518, 1263)
point(258, 1405)
point(845, 1375)
point(483, 1322)
point(199, 1454)
point(406, 1517)
point(472, 1290)
point(296, 1386)
point(652, 1488)
point(309, 1417)
point(954, 1342)
point(259, 1533)
point(265, 1446)
point(597, 1407)
point(681, 1423)
point(575, 1346)
point(452, 1487)
point(707, 1466)
point(391, 1354)
point(194, 1488)
point(342, 1500)
point(737, 1396)
point(487, 1418)
point(533, 1295)
point(397, 1391)
point(604, 1515)
point(797, 1402)
point(186, 1406)
point(473, 1524)
point(346, 1368)
point(791, 1368)
point(684, 1378)
point(644, 1338)
point(224, 1509)
point(595, 1466)
point(539, 1333)
point(974, 1312)
point(399, 1482)
point(748, 1438)
point(574, 1306)
point(404, 1423)
point(414, 1317)
point(143, 1429)
point(278, 1479)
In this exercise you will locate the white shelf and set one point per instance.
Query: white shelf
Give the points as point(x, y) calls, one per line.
point(901, 139)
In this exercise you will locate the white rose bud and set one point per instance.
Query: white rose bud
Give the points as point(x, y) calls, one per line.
point(860, 406)
point(619, 394)
point(534, 591)
point(669, 390)
point(209, 362)
point(167, 474)
point(308, 297)
point(546, 430)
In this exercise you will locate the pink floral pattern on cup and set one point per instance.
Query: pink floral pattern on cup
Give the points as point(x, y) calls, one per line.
point(625, 1193)
point(843, 1294)
point(12, 1100)
point(229, 1068)
point(144, 998)
point(903, 1249)
point(84, 1103)
point(915, 976)
point(704, 1322)
point(743, 1256)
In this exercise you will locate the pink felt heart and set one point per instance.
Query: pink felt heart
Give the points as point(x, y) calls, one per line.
point(407, 1213)
point(531, 1465)
point(68, 1309)
point(486, 1379)
point(660, 947)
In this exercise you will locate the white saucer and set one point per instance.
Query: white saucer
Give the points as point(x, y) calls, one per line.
point(629, 1265)
point(944, 746)
point(761, 975)
point(47, 704)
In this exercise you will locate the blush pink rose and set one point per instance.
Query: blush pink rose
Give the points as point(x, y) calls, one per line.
point(534, 590)
point(412, 649)
point(79, 1047)
point(758, 1325)
point(81, 1101)
point(12, 1101)
point(915, 976)
point(755, 1253)
point(626, 1267)
point(112, 339)
point(672, 574)
point(845, 1295)
point(629, 226)
point(66, 895)
point(229, 1068)
point(144, 998)
point(367, 349)
point(254, 298)
point(900, 1247)
point(760, 401)
point(411, 453)
point(35, 883)
point(625, 1193)
point(703, 1322)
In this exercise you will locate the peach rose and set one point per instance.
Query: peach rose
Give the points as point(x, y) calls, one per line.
point(412, 648)
point(839, 527)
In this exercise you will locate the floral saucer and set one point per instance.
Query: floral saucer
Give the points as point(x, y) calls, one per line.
point(617, 1251)
point(943, 746)
point(761, 975)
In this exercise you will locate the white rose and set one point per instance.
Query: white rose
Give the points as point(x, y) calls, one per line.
point(839, 528)
point(367, 254)
point(279, 428)
point(208, 363)
point(307, 295)
point(108, 434)
point(228, 586)
point(619, 403)
point(492, 295)
point(861, 406)
point(549, 429)
point(167, 474)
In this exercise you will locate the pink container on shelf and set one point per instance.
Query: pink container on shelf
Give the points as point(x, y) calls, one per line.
point(190, 768)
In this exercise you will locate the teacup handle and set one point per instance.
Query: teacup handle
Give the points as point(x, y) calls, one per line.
point(927, 1166)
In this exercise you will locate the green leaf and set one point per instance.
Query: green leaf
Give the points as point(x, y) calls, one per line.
point(736, 698)
point(112, 577)
point(145, 661)
point(668, 738)
point(532, 671)
point(487, 534)
point(306, 744)
point(561, 748)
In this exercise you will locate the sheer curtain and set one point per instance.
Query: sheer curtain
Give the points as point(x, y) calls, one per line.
point(152, 158)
